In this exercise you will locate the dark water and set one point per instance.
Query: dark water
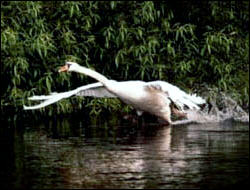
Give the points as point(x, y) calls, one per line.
point(73, 153)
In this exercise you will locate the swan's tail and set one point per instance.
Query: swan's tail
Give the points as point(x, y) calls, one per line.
point(195, 99)
point(192, 101)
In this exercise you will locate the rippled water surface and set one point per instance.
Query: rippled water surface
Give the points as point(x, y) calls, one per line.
point(72, 154)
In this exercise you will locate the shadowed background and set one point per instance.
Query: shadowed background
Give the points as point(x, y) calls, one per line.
point(192, 45)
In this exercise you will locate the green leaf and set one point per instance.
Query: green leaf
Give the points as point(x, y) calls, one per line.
point(208, 48)
point(48, 84)
point(203, 51)
point(71, 11)
point(112, 4)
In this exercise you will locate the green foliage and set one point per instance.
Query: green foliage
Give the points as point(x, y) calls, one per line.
point(185, 43)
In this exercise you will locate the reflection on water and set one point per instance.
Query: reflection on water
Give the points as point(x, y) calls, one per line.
point(73, 154)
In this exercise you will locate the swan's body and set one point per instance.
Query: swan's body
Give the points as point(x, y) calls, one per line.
point(153, 97)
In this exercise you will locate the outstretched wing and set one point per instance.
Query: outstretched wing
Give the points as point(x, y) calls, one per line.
point(97, 90)
point(46, 102)
point(178, 96)
point(94, 90)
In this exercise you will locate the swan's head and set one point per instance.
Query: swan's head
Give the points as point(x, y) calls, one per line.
point(69, 66)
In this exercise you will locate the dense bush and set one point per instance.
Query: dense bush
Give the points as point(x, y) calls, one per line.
point(188, 44)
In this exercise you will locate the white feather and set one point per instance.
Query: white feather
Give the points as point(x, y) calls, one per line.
point(95, 90)
point(178, 96)
point(153, 97)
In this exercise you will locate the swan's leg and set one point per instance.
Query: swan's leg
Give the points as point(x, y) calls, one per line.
point(133, 117)
point(167, 115)
point(178, 113)
point(139, 113)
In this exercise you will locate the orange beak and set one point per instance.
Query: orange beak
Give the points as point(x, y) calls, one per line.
point(64, 68)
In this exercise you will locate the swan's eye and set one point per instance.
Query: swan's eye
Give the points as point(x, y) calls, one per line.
point(69, 65)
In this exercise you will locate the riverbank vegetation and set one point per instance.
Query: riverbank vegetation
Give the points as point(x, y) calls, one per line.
point(194, 45)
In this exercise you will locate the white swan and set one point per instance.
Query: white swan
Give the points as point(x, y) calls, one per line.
point(154, 97)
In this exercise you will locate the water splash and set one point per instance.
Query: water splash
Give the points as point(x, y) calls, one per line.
point(219, 109)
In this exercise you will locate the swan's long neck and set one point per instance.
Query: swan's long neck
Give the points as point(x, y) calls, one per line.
point(99, 77)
